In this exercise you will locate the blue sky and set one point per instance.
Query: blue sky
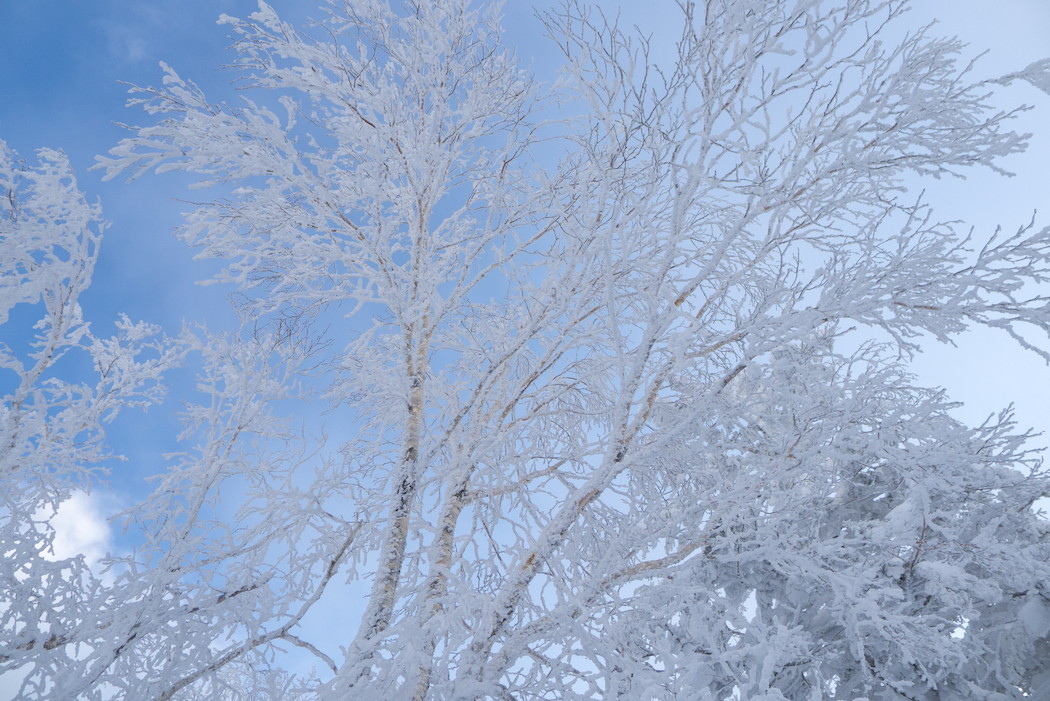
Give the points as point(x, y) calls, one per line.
point(60, 87)
point(62, 61)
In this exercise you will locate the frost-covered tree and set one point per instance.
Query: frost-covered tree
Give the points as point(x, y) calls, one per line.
point(52, 437)
point(617, 371)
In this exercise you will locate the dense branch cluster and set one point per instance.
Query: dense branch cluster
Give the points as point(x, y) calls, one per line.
point(618, 367)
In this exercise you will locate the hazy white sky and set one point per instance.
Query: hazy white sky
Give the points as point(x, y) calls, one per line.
point(986, 372)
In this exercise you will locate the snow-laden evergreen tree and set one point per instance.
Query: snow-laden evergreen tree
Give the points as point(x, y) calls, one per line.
point(617, 371)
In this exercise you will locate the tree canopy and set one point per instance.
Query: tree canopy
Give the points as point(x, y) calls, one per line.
point(616, 370)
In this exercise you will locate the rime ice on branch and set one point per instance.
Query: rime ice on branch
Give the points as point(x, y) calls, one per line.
point(52, 437)
point(605, 438)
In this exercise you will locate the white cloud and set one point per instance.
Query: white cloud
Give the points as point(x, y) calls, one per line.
point(81, 528)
